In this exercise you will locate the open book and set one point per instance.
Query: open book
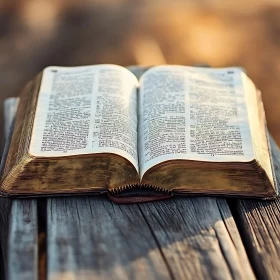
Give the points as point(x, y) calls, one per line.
point(176, 130)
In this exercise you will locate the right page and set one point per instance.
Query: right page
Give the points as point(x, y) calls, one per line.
point(193, 113)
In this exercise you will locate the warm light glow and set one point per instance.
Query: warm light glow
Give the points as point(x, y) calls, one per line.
point(148, 52)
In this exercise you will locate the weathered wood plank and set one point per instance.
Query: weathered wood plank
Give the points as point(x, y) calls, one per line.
point(5, 208)
point(5, 204)
point(23, 240)
point(22, 244)
point(198, 238)
point(93, 238)
point(259, 224)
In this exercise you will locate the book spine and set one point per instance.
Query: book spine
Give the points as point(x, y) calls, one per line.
point(139, 186)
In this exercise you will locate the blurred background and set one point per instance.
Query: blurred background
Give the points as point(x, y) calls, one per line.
point(38, 33)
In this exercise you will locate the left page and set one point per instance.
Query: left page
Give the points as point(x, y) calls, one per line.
point(85, 110)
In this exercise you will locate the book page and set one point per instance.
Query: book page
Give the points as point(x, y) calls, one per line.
point(85, 110)
point(193, 113)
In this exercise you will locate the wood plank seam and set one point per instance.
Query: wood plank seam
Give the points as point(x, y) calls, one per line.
point(258, 224)
point(42, 242)
point(219, 241)
point(109, 241)
point(254, 259)
point(218, 201)
point(196, 241)
point(158, 245)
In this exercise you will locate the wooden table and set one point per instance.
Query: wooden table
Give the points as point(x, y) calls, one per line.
point(90, 237)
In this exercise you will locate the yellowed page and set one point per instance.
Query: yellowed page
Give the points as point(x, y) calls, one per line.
point(85, 110)
point(193, 113)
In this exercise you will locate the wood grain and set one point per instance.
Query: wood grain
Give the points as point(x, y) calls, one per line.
point(183, 238)
point(21, 225)
point(198, 238)
point(93, 238)
point(23, 240)
point(259, 224)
